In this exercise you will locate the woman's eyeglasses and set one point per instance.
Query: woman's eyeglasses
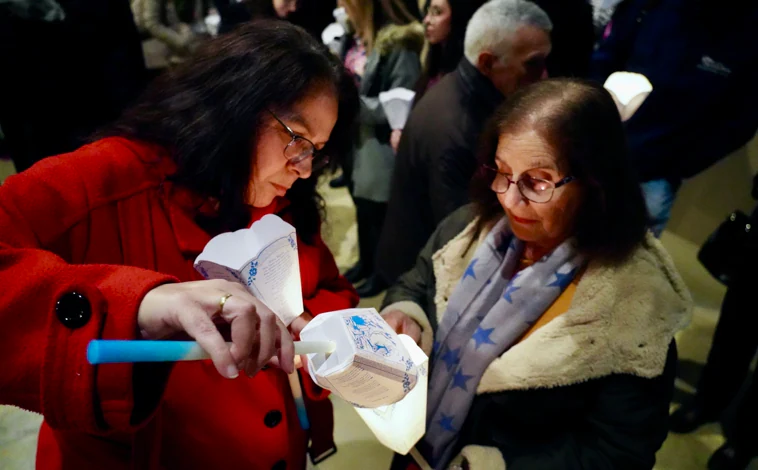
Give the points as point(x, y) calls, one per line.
point(300, 149)
point(534, 189)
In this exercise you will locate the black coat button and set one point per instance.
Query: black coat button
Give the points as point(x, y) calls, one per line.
point(280, 465)
point(73, 310)
point(273, 418)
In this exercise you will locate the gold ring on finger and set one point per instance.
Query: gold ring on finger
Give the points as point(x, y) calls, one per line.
point(222, 302)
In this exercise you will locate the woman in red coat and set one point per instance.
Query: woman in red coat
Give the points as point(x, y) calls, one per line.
point(99, 243)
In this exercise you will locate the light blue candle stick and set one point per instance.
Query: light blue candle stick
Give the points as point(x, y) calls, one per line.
point(297, 394)
point(120, 351)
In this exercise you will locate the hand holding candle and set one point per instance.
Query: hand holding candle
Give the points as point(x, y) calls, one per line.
point(192, 307)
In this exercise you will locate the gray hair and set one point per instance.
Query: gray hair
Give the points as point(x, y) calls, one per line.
point(494, 23)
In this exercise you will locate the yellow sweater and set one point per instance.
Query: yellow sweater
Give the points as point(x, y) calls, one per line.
point(559, 306)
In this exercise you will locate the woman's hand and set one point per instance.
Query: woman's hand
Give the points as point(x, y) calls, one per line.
point(403, 324)
point(395, 139)
point(299, 323)
point(192, 307)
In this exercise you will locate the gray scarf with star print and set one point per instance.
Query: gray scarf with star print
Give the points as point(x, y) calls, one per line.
point(489, 310)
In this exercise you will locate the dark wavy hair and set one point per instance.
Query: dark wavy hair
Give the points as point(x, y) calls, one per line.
point(444, 58)
point(207, 113)
point(580, 121)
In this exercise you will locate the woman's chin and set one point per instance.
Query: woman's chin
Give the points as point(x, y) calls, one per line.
point(263, 201)
point(525, 234)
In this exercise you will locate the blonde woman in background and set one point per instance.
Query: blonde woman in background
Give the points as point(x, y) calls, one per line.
point(384, 55)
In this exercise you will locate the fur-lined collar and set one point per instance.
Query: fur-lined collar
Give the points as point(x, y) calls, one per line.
point(621, 320)
point(410, 36)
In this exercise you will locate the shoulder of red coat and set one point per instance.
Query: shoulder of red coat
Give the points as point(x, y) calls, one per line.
point(106, 169)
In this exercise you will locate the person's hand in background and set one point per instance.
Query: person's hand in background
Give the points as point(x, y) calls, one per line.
point(395, 139)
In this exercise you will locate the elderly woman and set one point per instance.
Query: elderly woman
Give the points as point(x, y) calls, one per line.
point(99, 244)
point(548, 310)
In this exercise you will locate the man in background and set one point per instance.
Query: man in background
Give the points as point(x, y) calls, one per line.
point(506, 45)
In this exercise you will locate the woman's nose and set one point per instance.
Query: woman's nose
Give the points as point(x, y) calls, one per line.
point(512, 196)
point(303, 169)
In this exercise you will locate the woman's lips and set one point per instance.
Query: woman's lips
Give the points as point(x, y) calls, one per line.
point(280, 190)
point(522, 221)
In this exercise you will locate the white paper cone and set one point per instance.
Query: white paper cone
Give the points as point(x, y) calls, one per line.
point(370, 365)
point(397, 104)
point(401, 425)
point(263, 258)
point(629, 90)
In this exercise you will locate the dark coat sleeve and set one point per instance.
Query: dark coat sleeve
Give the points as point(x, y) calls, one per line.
point(624, 428)
point(449, 181)
point(419, 284)
point(416, 284)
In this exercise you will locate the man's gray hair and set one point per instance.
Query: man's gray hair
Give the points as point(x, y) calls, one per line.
point(492, 27)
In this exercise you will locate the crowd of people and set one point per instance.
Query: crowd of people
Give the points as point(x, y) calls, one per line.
point(512, 221)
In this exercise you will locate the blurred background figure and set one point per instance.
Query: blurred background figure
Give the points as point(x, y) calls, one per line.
point(234, 12)
point(383, 54)
point(445, 25)
point(701, 57)
point(179, 25)
point(732, 351)
point(68, 69)
point(445, 30)
point(506, 46)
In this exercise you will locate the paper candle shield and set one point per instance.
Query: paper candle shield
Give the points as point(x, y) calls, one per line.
point(264, 259)
point(401, 425)
point(369, 367)
point(629, 90)
point(397, 104)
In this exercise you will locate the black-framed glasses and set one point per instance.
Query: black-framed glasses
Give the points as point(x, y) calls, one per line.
point(300, 149)
point(534, 189)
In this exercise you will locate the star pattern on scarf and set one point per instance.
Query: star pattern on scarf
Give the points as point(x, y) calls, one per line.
point(482, 336)
point(470, 270)
point(435, 347)
point(460, 379)
point(451, 358)
point(446, 423)
point(509, 292)
point(563, 280)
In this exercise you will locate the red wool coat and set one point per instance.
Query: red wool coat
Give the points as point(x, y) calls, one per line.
point(104, 222)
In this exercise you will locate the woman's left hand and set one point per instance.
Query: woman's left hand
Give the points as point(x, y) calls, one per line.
point(403, 324)
point(296, 327)
point(299, 323)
